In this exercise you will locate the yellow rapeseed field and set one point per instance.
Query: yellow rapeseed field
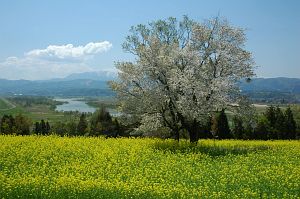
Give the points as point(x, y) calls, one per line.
point(81, 167)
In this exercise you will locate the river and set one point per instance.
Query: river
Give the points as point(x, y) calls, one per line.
point(74, 104)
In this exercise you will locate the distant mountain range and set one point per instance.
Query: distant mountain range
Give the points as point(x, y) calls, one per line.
point(272, 90)
point(78, 87)
point(96, 75)
point(95, 84)
point(279, 84)
point(77, 84)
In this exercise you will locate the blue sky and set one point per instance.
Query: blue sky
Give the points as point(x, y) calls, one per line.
point(95, 31)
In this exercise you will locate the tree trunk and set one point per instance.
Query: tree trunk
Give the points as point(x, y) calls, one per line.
point(175, 134)
point(193, 130)
point(177, 137)
point(194, 137)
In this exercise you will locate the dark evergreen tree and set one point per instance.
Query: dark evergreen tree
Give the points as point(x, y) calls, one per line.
point(18, 125)
point(290, 124)
point(71, 127)
point(270, 114)
point(224, 130)
point(12, 124)
point(48, 128)
point(59, 128)
point(8, 125)
point(117, 127)
point(205, 130)
point(5, 125)
point(214, 126)
point(279, 126)
point(271, 118)
point(261, 129)
point(220, 126)
point(101, 122)
point(37, 128)
point(43, 127)
point(22, 125)
point(249, 131)
point(238, 130)
point(82, 126)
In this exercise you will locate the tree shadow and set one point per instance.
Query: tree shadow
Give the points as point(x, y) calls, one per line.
point(35, 192)
point(208, 149)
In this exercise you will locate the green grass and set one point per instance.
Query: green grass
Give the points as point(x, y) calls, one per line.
point(36, 113)
point(108, 102)
point(80, 167)
point(4, 105)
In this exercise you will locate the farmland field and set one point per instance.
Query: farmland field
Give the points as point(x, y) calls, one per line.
point(5, 105)
point(41, 110)
point(81, 167)
point(35, 112)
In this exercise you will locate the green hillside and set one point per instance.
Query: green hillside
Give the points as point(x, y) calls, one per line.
point(5, 105)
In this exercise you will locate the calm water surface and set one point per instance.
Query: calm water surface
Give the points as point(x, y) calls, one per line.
point(73, 104)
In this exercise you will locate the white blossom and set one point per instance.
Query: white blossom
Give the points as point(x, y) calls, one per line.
point(184, 72)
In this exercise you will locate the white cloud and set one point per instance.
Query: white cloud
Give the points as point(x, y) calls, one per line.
point(34, 69)
point(53, 62)
point(69, 51)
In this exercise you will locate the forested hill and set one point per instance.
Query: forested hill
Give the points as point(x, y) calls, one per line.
point(78, 87)
point(279, 84)
point(272, 90)
point(260, 88)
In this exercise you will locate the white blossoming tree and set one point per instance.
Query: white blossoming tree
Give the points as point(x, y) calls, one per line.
point(183, 73)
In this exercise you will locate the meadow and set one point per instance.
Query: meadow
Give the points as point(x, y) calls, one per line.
point(36, 112)
point(5, 105)
point(46, 110)
point(88, 167)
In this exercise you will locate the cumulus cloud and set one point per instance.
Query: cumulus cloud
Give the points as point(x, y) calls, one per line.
point(53, 62)
point(70, 51)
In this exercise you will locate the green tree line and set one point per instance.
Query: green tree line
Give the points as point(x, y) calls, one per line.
point(272, 124)
point(99, 123)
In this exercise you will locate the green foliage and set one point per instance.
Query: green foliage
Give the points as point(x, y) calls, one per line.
point(274, 124)
point(29, 101)
point(22, 124)
point(18, 125)
point(71, 127)
point(102, 123)
point(42, 128)
point(270, 115)
point(59, 128)
point(108, 102)
point(35, 110)
point(7, 124)
point(82, 127)
point(290, 124)
point(220, 126)
point(4, 105)
point(205, 130)
point(280, 124)
point(238, 130)
point(261, 130)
